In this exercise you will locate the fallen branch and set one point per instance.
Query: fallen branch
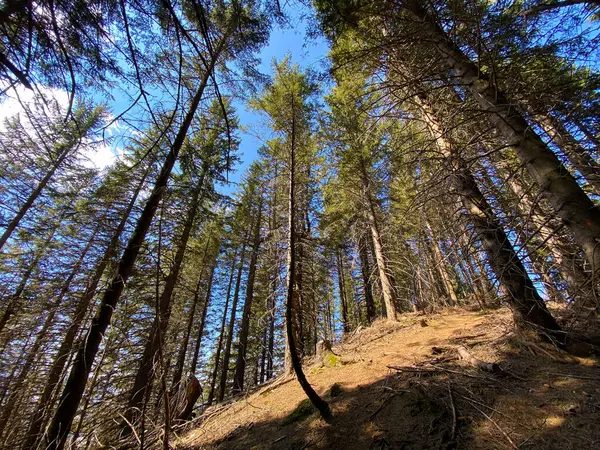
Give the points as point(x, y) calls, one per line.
point(435, 370)
point(453, 435)
point(579, 377)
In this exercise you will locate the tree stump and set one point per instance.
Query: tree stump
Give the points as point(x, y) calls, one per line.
point(185, 399)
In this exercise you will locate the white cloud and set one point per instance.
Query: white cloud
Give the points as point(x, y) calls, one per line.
point(17, 97)
point(100, 156)
point(97, 156)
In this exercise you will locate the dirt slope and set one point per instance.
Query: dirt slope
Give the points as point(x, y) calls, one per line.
point(541, 399)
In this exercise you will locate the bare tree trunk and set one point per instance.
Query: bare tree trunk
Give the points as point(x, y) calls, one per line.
point(365, 271)
point(178, 372)
point(42, 334)
point(12, 225)
point(527, 306)
point(194, 363)
point(213, 381)
point(579, 283)
point(317, 402)
point(342, 289)
point(387, 288)
point(441, 266)
point(579, 156)
point(18, 364)
point(73, 391)
point(271, 346)
point(240, 364)
point(92, 388)
point(15, 300)
point(227, 352)
point(264, 343)
point(589, 135)
point(45, 404)
point(568, 200)
point(146, 371)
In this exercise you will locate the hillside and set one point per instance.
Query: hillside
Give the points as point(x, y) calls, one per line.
point(540, 398)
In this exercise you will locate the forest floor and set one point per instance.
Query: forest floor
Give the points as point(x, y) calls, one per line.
point(398, 385)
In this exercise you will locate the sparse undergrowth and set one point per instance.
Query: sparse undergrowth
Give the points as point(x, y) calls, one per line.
point(408, 389)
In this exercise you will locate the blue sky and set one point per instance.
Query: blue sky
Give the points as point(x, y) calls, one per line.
point(291, 39)
point(307, 52)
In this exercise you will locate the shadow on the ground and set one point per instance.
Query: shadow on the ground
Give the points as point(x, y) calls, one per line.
point(541, 400)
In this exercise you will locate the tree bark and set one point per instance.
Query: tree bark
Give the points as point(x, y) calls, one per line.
point(12, 225)
point(45, 404)
point(240, 364)
point(42, 335)
point(213, 382)
point(387, 288)
point(73, 391)
point(441, 266)
point(202, 325)
point(342, 289)
point(365, 271)
point(579, 156)
point(227, 351)
point(179, 365)
point(527, 306)
point(317, 401)
point(147, 369)
point(568, 200)
point(14, 302)
point(579, 283)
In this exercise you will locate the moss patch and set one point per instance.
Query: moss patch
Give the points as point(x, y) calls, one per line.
point(335, 390)
point(330, 359)
point(304, 409)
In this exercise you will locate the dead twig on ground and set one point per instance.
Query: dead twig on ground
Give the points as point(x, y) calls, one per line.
point(435, 370)
point(497, 426)
point(579, 377)
point(383, 404)
point(453, 433)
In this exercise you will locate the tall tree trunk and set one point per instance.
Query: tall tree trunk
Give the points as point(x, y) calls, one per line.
point(568, 200)
point(342, 289)
point(15, 300)
point(527, 306)
point(146, 371)
point(317, 401)
point(6, 386)
point(441, 266)
point(12, 225)
point(580, 158)
point(580, 286)
point(213, 381)
point(387, 287)
point(271, 315)
point(92, 388)
point(264, 343)
point(73, 391)
point(240, 364)
point(202, 325)
point(271, 300)
point(298, 318)
point(42, 334)
point(365, 271)
point(227, 351)
point(589, 135)
point(45, 404)
point(179, 365)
